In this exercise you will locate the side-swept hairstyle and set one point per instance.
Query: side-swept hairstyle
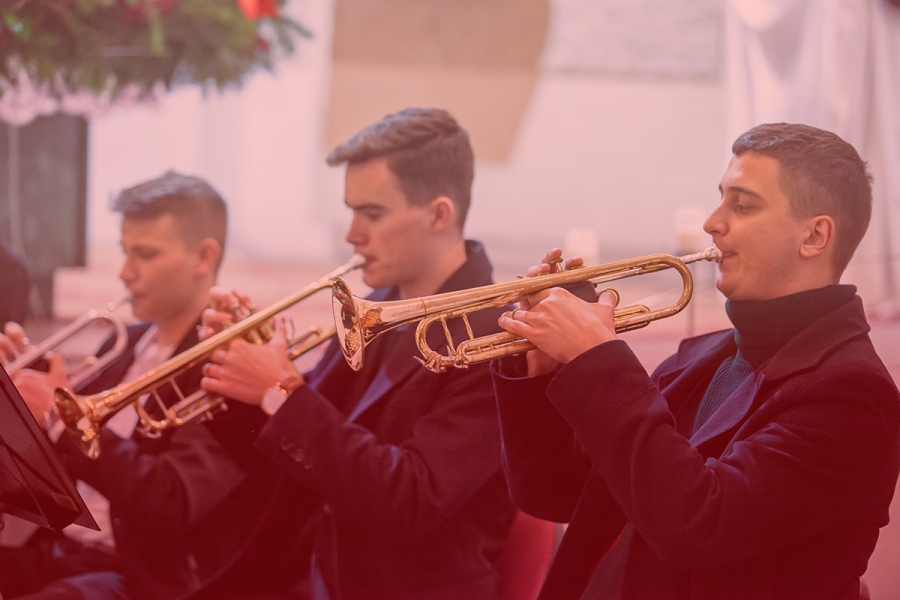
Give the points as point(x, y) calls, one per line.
point(198, 209)
point(820, 174)
point(426, 149)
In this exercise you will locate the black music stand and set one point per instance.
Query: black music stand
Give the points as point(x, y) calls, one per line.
point(33, 484)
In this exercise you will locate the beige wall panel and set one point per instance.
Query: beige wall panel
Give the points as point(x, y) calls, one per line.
point(483, 33)
point(476, 58)
point(489, 103)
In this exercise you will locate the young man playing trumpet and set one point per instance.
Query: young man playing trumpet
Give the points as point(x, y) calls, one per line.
point(403, 464)
point(758, 462)
point(171, 510)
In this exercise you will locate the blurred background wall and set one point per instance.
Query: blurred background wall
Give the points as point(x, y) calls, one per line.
point(602, 126)
point(598, 116)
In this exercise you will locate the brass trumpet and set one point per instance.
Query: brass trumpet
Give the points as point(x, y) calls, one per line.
point(84, 416)
point(360, 321)
point(92, 365)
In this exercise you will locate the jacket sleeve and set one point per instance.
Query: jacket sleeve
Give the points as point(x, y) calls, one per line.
point(812, 461)
point(173, 489)
point(402, 491)
point(544, 463)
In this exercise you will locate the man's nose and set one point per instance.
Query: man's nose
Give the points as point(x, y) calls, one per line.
point(715, 224)
point(126, 273)
point(355, 234)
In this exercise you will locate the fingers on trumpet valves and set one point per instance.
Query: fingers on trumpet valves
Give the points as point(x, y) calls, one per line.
point(13, 341)
point(609, 296)
point(213, 370)
point(222, 299)
point(556, 263)
point(242, 304)
point(552, 259)
point(574, 262)
point(233, 302)
point(553, 262)
point(213, 320)
point(516, 314)
point(8, 350)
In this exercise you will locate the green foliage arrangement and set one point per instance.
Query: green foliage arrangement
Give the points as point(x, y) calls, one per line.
point(107, 46)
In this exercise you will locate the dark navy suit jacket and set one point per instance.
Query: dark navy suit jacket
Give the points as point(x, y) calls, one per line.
point(405, 464)
point(780, 494)
point(184, 510)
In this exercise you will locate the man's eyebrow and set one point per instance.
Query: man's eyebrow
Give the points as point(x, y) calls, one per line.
point(366, 206)
point(741, 190)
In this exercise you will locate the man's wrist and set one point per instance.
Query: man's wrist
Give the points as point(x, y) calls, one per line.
point(275, 396)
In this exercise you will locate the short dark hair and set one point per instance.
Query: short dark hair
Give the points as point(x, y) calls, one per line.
point(426, 149)
point(820, 174)
point(198, 209)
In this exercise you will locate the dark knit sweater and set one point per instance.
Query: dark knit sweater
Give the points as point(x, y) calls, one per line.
point(760, 330)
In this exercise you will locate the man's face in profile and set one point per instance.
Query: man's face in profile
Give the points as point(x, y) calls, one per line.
point(386, 229)
point(160, 270)
point(756, 231)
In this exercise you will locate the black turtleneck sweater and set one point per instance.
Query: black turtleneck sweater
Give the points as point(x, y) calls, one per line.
point(760, 330)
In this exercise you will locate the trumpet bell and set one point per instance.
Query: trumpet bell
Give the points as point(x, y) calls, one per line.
point(81, 367)
point(347, 322)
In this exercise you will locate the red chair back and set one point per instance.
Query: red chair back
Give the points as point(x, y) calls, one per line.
point(864, 593)
point(525, 558)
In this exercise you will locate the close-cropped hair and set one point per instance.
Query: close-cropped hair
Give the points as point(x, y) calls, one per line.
point(426, 149)
point(197, 208)
point(820, 174)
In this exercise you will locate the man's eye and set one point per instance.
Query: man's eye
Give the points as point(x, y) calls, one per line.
point(146, 254)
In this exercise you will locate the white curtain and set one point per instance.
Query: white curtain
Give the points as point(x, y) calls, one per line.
point(834, 64)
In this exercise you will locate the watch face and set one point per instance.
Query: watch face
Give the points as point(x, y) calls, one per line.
point(273, 399)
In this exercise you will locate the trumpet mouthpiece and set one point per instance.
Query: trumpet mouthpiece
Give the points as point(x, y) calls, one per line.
point(713, 253)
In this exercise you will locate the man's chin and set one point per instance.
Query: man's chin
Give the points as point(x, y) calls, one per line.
point(373, 281)
point(725, 287)
point(141, 313)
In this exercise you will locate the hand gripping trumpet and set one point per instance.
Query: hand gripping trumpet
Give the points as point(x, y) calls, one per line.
point(360, 321)
point(90, 366)
point(84, 416)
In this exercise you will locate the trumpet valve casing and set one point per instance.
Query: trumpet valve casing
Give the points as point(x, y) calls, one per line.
point(76, 416)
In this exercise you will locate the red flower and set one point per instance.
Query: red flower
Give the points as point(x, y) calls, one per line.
point(254, 9)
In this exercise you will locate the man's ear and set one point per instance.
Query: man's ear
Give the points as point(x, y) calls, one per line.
point(209, 251)
point(443, 212)
point(819, 236)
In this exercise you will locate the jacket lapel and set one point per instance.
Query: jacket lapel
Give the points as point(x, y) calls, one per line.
point(802, 353)
point(732, 411)
point(698, 359)
point(391, 373)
